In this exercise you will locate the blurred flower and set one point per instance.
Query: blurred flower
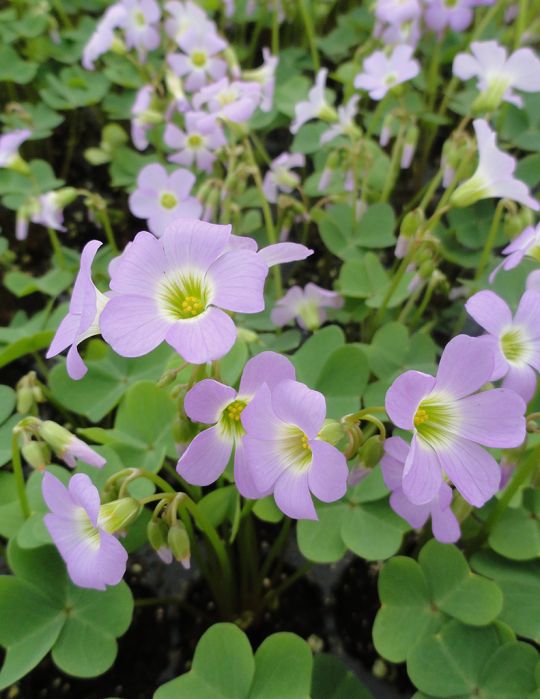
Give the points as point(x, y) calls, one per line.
point(307, 305)
point(451, 422)
point(198, 62)
point(94, 557)
point(184, 17)
point(9, 146)
point(103, 37)
point(280, 178)
point(50, 208)
point(444, 523)
point(515, 341)
point(533, 280)
point(178, 289)
point(233, 101)
point(316, 106)
point(381, 73)
point(456, 14)
point(196, 144)
point(283, 452)
point(526, 244)
point(212, 403)
point(265, 75)
point(162, 198)
point(140, 26)
point(345, 124)
point(82, 320)
point(498, 73)
point(397, 11)
point(142, 117)
point(494, 176)
point(403, 33)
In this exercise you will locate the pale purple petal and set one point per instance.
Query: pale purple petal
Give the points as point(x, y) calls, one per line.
point(528, 313)
point(194, 243)
point(327, 475)
point(243, 477)
point(139, 267)
point(292, 495)
point(493, 418)
point(404, 395)
point(396, 451)
point(264, 461)
point(84, 493)
point(422, 476)
point(204, 338)
point(206, 457)
point(489, 311)
point(415, 515)
point(258, 417)
point(522, 380)
point(280, 253)
point(206, 401)
point(473, 471)
point(267, 367)
point(466, 365)
point(132, 325)
point(296, 404)
point(238, 278)
point(57, 497)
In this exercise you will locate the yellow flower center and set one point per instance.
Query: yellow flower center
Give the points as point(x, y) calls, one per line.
point(514, 345)
point(139, 18)
point(230, 419)
point(420, 417)
point(295, 448)
point(183, 298)
point(168, 200)
point(198, 58)
point(194, 141)
point(436, 419)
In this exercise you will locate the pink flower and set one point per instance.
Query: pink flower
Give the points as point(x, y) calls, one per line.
point(9, 145)
point(306, 305)
point(143, 118)
point(198, 62)
point(94, 557)
point(283, 452)
point(162, 198)
point(49, 213)
point(266, 76)
point(196, 144)
point(213, 403)
point(184, 17)
point(345, 124)
point(232, 101)
point(140, 26)
point(451, 421)
point(397, 11)
point(381, 72)
point(456, 14)
point(515, 341)
point(103, 37)
point(280, 178)
point(443, 521)
point(526, 244)
point(82, 320)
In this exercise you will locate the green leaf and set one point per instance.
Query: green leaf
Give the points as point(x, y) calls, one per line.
point(223, 668)
point(283, 667)
point(520, 586)
point(310, 359)
point(345, 372)
point(7, 402)
point(516, 534)
point(406, 613)
point(13, 68)
point(219, 504)
point(456, 590)
point(373, 531)
point(332, 680)
point(510, 672)
point(108, 377)
point(267, 510)
point(52, 283)
point(321, 540)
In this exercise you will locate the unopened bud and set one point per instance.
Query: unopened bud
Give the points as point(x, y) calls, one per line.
point(332, 432)
point(178, 542)
point(56, 436)
point(183, 430)
point(65, 196)
point(167, 378)
point(412, 222)
point(371, 452)
point(409, 147)
point(118, 514)
point(37, 454)
point(386, 130)
point(156, 532)
point(516, 222)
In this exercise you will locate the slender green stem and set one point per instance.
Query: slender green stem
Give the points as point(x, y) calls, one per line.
point(106, 221)
point(19, 475)
point(490, 240)
point(424, 303)
point(393, 169)
point(213, 537)
point(430, 191)
point(411, 302)
point(433, 74)
point(57, 247)
point(521, 23)
point(193, 491)
point(310, 32)
point(398, 276)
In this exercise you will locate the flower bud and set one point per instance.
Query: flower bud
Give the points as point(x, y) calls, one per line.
point(409, 147)
point(65, 196)
point(412, 222)
point(371, 452)
point(386, 130)
point(56, 436)
point(178, 542)
point(332, 431)
point(167, 378)
point(516, 222)
point(119, 514)
point(37, 454)
point(157, 531)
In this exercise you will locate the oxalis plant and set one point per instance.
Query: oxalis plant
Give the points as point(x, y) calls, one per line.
point(321, 348)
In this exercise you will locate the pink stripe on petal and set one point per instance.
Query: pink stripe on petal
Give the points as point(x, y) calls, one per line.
point(404, 395)
point(472, 469)
point(292, 495)
point(489, 311)
point(298, 405)
point(206, 457)
point(466, 365)
point(132, 325)
point(327, 475)
point(204, 338)
point(206, 400)
point(422, 475)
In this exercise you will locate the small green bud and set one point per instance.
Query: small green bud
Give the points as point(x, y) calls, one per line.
point(65, 196)
point(118, 514)
point(371, 452)
point(246, 335)
point(37, 454)
point(25, 400)
point(178, 542)
point(412, 223)
point(156, 532)
point(332, 432)
point(56, 436)
point(426, 269)
point(167, 378)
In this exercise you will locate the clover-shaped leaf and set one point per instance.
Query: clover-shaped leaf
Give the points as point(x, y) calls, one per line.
point(516, 534)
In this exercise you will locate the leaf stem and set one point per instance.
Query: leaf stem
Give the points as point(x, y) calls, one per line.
point(19, 474)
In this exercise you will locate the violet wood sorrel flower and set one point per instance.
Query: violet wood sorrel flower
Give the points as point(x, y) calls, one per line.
point(94, 557)
point(316, 105)
point(184, 17)
point(140, 26)
point(307, 305)
point(162, 198)
point(213, 403)
point(381, 72)
point(283, 452)
point(197, 144)
point(455, 14)
point(280, 177)
point(9, 146)
point(265, 75)
point(231, 101)
point(177, 289)
point(451, 423)
point(497, 73)
point(443, 521)
point(82, 320)
point(103, 37)
point(68, 447)
point(515, 341)
point(494, 176)
point(198, 61)
point(526, 244)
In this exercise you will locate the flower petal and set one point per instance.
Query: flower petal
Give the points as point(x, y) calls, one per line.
point(193, 243)
point(280, 253)
point(466, 365)
point(327, 475)
point(296, 404)
point(204, 338)
point(267, 367)
point(264, 461)
point(415, 515)
point(472, 469)
point(292, 495)
point(493, 418)
point(404, 395)
point(206, 400)
point(85, 494)
point(528, 313)
point(57, 497)
point(396, 451)
point(422, 475)
point(489, 311)
point(243, 477)
point(132, 325)
point(258, 417)
point(206, 457)
point(140, 267)
point(238, 279)
point(522, 380)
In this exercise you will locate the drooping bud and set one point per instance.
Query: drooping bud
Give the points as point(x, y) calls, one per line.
point(157, 531)
point(117, 515)
point(178, 542)
point(37, 454)
point(412, 222)
point(29, 394)
point(68, 447)
point(409, 147)
point(332, 432)
point(386, 130)
point(516, 221)
point(371, 452)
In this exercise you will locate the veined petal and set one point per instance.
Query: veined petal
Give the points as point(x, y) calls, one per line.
point(528, 313)
point(85, 494)
point(204, 338)
point(296, 404)
point(140, 267)
point(206, 400)
point(75, 366)
point(111, 560)
point(466, 365)
point(415, 515)
point(132, 325)
point(489, 311)
point(258, 417)
point(444, 524)
point(292, 495)
point(192, 243)
point(422, 475)
point(65, 335)
point(280, 253)
point(404, 395)
point(267, 367)
point(243, 476)
point(206, 457)
point(472, 469)
point(327, 475)
point(264, 461)
point(57, 497)
point(396, 451)
point(238, 279)
point(493, 418)
point(522, 380)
